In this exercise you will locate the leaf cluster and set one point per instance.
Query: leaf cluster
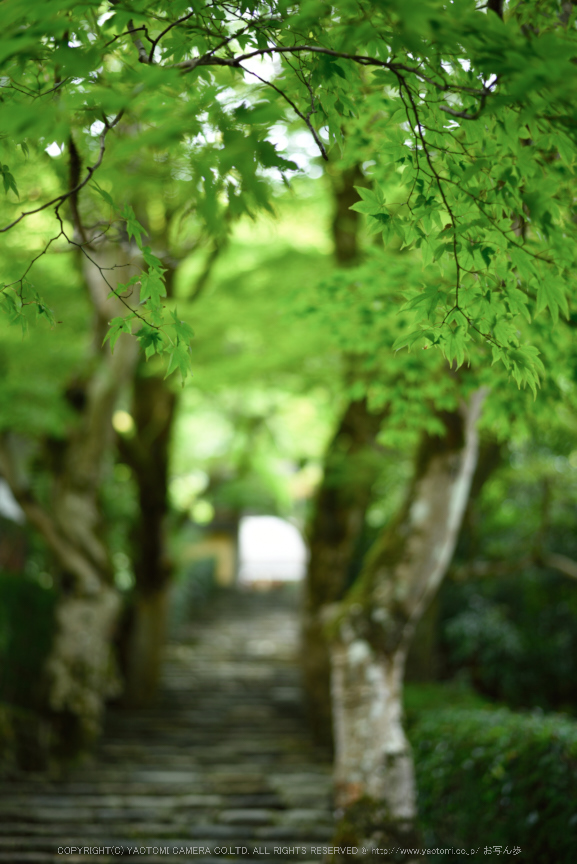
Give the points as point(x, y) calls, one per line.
point(472, 114)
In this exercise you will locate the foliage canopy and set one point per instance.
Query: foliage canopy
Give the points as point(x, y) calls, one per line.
point(464, 121)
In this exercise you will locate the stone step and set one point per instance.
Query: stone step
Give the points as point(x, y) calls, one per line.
point(150, 832)
point(150, 811)
point(234, 778)
point(222, 760)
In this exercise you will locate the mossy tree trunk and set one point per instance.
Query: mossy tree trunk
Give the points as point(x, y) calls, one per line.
point(344, 495)
point(80, 667)
point(338, 521)
point(373, 627)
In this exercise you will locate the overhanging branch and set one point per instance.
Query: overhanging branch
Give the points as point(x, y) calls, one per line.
point(361, 59)
point(60, 199)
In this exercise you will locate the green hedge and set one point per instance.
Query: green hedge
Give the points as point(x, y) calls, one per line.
point(490, 778)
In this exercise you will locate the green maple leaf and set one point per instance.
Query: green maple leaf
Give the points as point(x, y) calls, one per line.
point(152, 288)
point(117, 327)
point(151, 340)
point(182, 330)
point(180, 359)
point(552, 296)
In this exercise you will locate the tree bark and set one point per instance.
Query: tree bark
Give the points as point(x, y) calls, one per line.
point(147, 454)
point(345, 224)
point(489, 460)
point(344, 495)
point(336, 528)
point(146, 637)
point(80, 668)
point(423, 658)
point(372, 629)
point(154, 407)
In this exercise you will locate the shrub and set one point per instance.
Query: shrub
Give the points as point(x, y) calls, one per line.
point(497, 778)
point(515, 636)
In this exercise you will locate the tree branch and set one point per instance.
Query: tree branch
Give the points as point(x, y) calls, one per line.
point(164, 32)
point(306, 120)
point(138, 43)
point(60, 199)
point(210, 60)
point(69, 557)
point(463, 114)
point(75, 168)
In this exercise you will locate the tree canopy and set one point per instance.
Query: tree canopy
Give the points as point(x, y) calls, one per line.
point(463, 118)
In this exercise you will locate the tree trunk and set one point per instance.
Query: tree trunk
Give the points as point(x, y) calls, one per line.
point(147, 453)
point(80, 668)
point(372, 630)
point(423, 660)
point(345, 224)
point(337, 525)
point(373, 758)
point(490, 459)
point(146, 639)
point(344, 495)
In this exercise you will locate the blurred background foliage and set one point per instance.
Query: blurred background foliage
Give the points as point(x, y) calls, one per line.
point(281, 344)
point(279, 347)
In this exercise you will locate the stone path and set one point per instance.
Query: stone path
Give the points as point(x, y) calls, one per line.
point(221, 769)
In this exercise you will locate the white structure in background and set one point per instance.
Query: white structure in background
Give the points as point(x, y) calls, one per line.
point(9, 507)
point(270, 550)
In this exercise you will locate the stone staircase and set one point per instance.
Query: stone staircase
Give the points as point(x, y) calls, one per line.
point(222, 768)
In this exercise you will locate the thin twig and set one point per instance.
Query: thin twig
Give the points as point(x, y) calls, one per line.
point(299, 113)
point(128, 33)
point(439, 186)
point(464, 114)
point(102, 270)
point(164, 32)
point(60, 199)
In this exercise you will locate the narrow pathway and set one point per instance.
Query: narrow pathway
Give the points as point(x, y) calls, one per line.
point(221, 769)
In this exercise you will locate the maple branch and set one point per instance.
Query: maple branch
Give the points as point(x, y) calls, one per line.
point(463, 114)
point(165, 31)
point(128, 33)
point(138, 43)
point(305, 119)
point(210, 60)
point(60, 199)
